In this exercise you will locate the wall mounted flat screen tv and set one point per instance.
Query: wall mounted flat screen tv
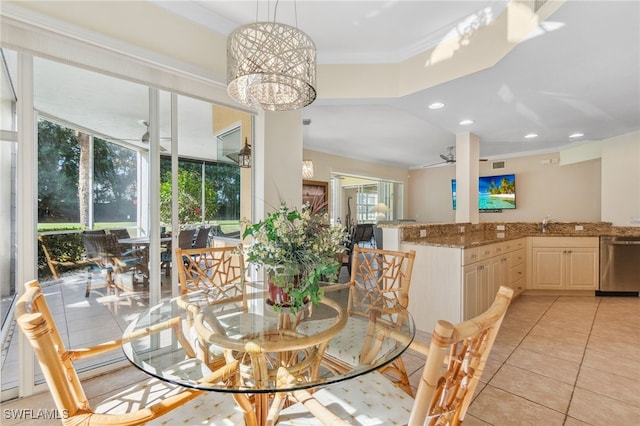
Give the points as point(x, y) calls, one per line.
point(494, 192)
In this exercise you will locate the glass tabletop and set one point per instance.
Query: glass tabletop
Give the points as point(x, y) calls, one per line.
point(186, 339)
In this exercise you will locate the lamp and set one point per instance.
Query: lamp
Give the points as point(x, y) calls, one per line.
point(307, 169)
point(381, 209)
point(244, 156)
point(271, 66)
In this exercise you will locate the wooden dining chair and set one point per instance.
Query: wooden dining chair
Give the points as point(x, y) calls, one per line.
point(376, 274)
point(217, 272)
point(454, 364)
point(141, 403)
point(214, 274)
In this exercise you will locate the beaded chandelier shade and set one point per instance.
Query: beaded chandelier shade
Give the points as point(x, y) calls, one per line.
point(271, 66)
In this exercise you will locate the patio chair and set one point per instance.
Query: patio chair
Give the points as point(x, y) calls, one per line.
point(186, 239)
point(104, 252)
point(375, 274)
point(141, 403)
point(202, 237)
point(454, 364)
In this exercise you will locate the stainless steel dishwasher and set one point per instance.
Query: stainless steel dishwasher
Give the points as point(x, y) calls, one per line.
point(619, 266)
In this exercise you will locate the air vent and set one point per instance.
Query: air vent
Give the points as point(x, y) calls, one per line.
point(497, 165)
point(537, 4)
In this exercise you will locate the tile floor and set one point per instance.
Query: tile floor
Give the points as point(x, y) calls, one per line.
point(560, 361)
point(557, 361)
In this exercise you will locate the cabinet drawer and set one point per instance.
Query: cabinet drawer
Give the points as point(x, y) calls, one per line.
point(485, 252)
point(517, 272)
point(498, 249)
point(518, 256)
point(514, 245)
point(469, 255)
point(518, 286)
point(565, 242)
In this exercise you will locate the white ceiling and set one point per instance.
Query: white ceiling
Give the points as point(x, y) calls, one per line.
point(579, 73)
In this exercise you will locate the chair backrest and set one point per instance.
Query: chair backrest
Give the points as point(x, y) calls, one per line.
point(202, 236)
point(362, 233)
point(383, 272)
point(94, 231)
point(217, 271)
point(120, 233)
point(100, 246)
point(443, 397)
point(186, 237)
point(34, 319)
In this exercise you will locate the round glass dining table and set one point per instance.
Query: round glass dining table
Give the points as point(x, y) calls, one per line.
point(184, 339)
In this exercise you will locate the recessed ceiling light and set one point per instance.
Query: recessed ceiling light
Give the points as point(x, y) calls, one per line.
point(466, 122)
point(436, 105)
point(531, 136)
point(576, 135)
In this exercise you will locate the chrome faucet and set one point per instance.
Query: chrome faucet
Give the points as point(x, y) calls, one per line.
point(545, 223)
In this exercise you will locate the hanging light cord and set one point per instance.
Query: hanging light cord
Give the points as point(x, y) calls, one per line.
point(275, 10)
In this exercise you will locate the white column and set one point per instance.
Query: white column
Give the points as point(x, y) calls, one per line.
point(27, 207)
point(277, 161)
point(467, 174)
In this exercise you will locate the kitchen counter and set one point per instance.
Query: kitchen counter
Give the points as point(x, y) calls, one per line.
point(467, 235)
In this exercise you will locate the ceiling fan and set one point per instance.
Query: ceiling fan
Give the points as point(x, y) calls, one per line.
point(447, 158)
point(144, 138)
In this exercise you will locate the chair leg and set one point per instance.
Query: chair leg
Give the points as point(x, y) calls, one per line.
point(87, 290)
point(398, 370)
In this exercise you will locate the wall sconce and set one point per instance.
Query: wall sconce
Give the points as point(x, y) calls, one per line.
point(381, 209)
point(244, 156)
point(307, 169)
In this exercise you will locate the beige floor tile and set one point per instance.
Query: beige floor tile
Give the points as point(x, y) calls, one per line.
point(470, 420)
point(559, 334)
point(542, 345)
point(625, 388)
point(498, 408)
point(615, 346)
point(500, 352)
point(570, 421)
point(604, 361)
point(571, 323)
point(511, 336)
point(533, 387)
point(596, 409)
point(543, 364)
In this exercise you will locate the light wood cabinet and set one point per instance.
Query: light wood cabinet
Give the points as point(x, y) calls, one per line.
point(560, 263)
point(494, 268)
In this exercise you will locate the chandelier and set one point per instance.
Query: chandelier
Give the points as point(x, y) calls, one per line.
point(271, 66)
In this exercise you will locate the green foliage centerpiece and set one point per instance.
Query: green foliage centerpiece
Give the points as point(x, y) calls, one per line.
point(298, 249)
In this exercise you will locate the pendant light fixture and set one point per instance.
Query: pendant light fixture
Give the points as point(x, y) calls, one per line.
point(271, 66)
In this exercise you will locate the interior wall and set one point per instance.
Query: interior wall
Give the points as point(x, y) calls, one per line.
point(543, 188)
point(223, 118)
point(621, 180)
point(324, 165)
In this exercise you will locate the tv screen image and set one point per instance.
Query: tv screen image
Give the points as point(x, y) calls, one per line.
point(494, 192)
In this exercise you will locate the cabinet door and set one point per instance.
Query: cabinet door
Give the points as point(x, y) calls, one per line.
point(548, 268)
point(485, 286)
point(582, 269)
point(498, 276)
point(471, 299)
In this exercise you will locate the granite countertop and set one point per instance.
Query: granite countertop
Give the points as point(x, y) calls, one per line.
point(470, 240)
point(468, 235)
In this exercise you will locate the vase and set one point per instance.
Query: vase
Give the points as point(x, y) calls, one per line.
point(278, 295)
